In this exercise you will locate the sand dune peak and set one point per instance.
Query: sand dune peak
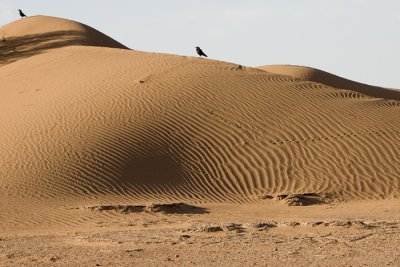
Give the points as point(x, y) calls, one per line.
point(37, 34)
point(320, 76)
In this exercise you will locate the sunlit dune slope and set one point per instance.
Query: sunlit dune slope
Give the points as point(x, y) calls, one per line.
point(96, 123)
point(316, 75)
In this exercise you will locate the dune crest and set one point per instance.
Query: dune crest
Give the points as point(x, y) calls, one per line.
point(320, 76)
point(37, 34)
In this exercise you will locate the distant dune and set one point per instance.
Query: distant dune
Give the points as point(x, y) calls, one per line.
point(85, 120)
point(315, 75)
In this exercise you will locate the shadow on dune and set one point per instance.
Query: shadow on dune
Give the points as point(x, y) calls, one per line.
point(152, 170)
point(16, 48)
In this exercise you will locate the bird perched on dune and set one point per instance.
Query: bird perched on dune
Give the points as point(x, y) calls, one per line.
point(200, 52)
point(21, 13)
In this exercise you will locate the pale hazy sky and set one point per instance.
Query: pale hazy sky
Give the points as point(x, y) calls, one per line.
point(356, 39)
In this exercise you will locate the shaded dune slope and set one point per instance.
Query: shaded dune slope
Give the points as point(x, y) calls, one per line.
point(143, 126)
point(316, 75)
point(37, 34)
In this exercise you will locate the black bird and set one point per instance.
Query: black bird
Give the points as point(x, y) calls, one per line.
point(21, 13)
point(200, 52)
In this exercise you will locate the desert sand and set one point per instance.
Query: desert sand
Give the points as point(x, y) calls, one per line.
point(116, 157)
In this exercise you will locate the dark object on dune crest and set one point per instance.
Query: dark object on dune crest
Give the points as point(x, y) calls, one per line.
point(21, 13)
point(200, 52)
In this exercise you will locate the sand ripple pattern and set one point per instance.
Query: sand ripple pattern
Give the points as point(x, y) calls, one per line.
point(91, 124)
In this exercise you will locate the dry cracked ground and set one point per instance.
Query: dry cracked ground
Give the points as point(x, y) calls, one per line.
point(183, 235)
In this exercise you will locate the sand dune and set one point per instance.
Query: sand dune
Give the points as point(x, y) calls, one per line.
point(316, 75)
point(85, 122)
point(37, 34)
